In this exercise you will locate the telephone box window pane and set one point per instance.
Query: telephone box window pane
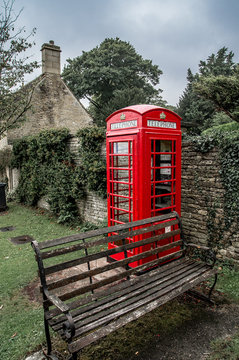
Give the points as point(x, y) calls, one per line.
point(121, 161)
point(163, 175)
point(163, 146)
point(121, 175)
point(161, 189)
point(162, 202)
point(121, 147)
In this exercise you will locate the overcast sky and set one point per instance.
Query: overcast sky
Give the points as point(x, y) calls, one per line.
point(174, 34)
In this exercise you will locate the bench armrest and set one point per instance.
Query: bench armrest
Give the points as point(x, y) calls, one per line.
point(209, 253)
point(55, 300)
point(68, 326)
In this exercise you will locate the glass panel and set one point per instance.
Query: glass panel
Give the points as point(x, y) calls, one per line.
point(121, 147)
point(163, 146)
point(162, 202)
point(161, 189)
point(121, 161)
point(121, 175)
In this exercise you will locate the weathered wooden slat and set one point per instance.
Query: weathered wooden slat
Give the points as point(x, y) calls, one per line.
point(138, 309)
point(68, 280)
point(101, 254)
point(93, 301)
point(135, 293)
point(133, 298)
point(118, 323)
point(122, 275)
point(99, 232)
point(106, 240)
point(104, 295)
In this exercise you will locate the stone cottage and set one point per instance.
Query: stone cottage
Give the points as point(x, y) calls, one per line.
point(53, 105)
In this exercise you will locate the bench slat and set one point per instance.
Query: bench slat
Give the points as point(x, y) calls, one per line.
point(143, 308)
point(113, 265)
point(109, 292)
point(136, 299)
point(122, 275)
point(84, 259)
point(106, 240)
point(106, 230)
point(150, 284)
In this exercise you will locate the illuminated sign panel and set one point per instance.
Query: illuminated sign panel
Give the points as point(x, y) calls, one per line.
point(162, 124)
point(124, 124)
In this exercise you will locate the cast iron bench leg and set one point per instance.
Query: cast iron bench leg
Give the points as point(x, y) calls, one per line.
point(73, 356)
point(49, 355)
point(203, 297)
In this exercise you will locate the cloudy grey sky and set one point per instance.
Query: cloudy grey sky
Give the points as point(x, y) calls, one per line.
point(174, 34)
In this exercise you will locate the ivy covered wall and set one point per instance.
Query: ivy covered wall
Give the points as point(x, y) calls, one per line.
point(58, 171)
point(210, 192)
point(70, 172)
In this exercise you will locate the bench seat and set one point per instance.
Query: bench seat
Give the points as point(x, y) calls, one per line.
point(91, 299)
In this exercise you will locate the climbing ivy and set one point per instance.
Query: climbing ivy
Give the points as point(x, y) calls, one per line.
point(229, 172)
point(92, 162)
point(47, 169)
point(227, 142)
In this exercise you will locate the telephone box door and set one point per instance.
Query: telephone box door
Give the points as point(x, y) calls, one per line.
point(163, 182)
point(121, 183)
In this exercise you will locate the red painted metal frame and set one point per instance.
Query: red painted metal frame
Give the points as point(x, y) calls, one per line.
point(144, 126)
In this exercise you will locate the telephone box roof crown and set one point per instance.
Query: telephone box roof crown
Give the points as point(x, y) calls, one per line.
point(142, 109)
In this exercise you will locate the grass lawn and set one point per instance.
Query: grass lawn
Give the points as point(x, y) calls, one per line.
point(21, 321)
point(22, 330)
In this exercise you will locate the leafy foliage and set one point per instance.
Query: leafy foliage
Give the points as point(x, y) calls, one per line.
point(222, 91)
point(193, 109)
point(13, 67)
point(111, 76)
point(93, 164)
point(47, 169)
point(209, 92)
point(228, 144)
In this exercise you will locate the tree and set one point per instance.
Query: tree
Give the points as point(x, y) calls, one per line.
point(222, 91)
point(200, 101)
point(192, 108)
point(111, 76)
point(14, 98)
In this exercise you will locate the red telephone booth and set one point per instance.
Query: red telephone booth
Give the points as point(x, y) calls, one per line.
point(143, 145)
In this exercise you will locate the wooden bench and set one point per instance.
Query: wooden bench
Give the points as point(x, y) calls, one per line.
point(86, 296)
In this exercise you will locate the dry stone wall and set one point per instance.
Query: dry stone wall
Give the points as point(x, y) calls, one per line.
point(203, 202)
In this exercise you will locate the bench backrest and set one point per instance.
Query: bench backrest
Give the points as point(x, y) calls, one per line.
point(78, 264)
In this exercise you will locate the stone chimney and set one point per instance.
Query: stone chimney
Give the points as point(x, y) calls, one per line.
point(51, 58)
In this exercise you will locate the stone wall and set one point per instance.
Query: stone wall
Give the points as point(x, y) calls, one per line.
point(93, 208)
point(200, 185)
point(202, 202)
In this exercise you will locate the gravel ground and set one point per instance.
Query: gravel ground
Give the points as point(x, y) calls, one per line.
point(192, 341)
